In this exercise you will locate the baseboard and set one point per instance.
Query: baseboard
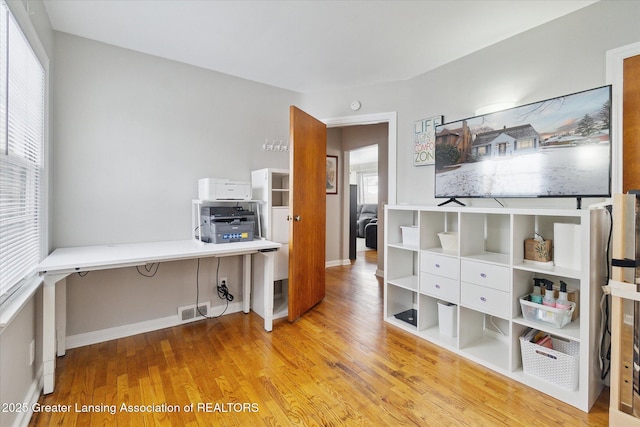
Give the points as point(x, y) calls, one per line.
point(334, 263)
point(32, 396)
point(95, 337)
point(380, 273)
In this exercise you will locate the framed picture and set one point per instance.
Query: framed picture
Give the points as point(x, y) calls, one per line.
point(424, 140)
point(332, 175)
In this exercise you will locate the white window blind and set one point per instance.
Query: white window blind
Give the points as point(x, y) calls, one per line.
point(22, 130)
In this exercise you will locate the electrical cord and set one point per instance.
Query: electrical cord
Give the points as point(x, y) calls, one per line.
point(223, 292)
point(148, 269)
point(605, 359)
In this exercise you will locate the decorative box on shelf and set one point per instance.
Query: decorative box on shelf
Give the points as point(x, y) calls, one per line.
point(539, 251)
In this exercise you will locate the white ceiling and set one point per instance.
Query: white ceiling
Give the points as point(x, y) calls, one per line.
point(306, 46)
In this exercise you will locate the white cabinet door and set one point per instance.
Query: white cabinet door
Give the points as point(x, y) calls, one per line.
point(281, 263)
point(280, 225)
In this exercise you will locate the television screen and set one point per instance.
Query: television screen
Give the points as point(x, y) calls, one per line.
point(559, 147)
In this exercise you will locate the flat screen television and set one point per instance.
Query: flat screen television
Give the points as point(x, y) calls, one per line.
point(558, 147)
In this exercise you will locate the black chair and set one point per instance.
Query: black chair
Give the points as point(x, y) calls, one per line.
point(371, 234)
point(366, 213)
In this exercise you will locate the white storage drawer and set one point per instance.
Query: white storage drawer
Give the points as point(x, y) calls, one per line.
point(440, 287)
point(440, 265)
point(485, 299)
point(489, 275)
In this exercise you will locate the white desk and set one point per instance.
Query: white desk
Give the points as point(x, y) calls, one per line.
point(64, 261)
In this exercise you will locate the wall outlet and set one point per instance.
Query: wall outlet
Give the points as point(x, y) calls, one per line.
point(223, 280)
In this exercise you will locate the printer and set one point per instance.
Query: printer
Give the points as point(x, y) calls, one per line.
point(224, 224)
point(222, 189)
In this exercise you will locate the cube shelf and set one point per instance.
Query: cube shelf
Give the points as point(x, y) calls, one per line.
point(485, 273)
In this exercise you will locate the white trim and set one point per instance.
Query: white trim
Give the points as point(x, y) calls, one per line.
point(95, 337)
point(12, 306)
point(32, 396)
point(337, 263)
point(615, 66)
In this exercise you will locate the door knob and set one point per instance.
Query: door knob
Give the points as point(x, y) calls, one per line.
point(297, 218)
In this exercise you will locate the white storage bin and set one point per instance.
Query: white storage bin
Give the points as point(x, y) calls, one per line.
point(558, 317)
point(449, 241)
point(410, 235)
point(447, 318)
point(558, 366)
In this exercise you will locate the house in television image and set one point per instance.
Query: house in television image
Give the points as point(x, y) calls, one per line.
point(505, 142)
point(459, 139)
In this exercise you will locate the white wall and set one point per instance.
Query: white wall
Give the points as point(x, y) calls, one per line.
point(561, 57)
point(133, 134)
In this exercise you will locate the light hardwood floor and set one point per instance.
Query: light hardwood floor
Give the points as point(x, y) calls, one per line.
point(338, 365)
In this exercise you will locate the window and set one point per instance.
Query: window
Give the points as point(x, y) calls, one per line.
point(367, 187)
point(525, 144)
point(22, 134)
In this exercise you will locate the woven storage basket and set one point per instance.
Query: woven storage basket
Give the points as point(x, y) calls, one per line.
point(558, 366)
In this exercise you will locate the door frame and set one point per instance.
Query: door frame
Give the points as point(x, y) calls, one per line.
point(371, 119)
point(391, 118)
point(615, 77)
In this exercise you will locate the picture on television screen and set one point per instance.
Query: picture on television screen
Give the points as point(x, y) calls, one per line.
point(560, 147)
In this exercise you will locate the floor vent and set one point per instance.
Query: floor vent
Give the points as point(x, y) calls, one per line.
point(188, 313)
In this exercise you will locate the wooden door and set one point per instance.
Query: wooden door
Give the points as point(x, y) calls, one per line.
point(631, 125)
point(308, 151)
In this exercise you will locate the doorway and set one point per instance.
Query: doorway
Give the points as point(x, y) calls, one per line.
point(363, 177)
point(387, 158)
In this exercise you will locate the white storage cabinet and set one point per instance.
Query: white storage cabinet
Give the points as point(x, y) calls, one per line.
point(271, 186)
point(486, 277)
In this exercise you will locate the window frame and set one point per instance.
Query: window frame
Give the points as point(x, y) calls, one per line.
point(17, 295)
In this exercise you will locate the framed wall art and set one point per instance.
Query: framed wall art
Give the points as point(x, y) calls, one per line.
point(424, 140)
point(332, 175)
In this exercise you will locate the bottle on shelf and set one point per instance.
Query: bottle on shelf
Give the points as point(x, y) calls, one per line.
point(536, 296)
point(548, 299)
point(563, 301)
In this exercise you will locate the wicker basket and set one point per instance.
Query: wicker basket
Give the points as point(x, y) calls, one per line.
point(558, 366)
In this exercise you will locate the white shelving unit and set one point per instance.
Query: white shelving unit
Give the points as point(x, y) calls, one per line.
point(271, 187)
point(485, 276)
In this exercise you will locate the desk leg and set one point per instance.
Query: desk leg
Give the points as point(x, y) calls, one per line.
point(61, 317)
point(49, 330)
point(246, 283)
point(268, 290)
